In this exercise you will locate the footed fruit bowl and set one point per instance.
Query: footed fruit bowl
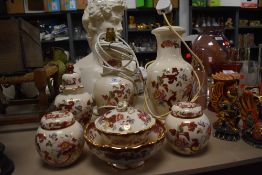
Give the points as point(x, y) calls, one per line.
point(129, 156)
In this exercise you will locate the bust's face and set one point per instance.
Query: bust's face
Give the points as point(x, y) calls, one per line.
point(113, 22)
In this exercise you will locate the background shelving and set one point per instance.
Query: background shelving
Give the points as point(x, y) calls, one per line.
point(142, 41)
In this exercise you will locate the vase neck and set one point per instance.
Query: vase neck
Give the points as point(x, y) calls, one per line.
point(167, 45)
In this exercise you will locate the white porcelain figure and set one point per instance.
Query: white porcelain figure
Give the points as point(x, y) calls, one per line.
point(60, 139)
point(169, 77)
point(125, 126)
point(188, 128)
point(73, 98)
point(98, 16)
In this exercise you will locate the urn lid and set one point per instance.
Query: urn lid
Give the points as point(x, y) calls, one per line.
point(57, 120)
point(186, 110)
point(124, 120)
point(71, 80)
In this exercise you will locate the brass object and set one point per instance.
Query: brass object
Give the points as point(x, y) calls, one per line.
point(110, 35)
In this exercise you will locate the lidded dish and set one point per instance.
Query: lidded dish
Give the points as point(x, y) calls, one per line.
point(59, 139)
point(125, 126)
point(125, 157)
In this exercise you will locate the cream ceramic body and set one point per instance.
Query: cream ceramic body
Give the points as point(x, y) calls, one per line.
point(59, 140)
point(188, 129)
point(74, 99)
point(125, 126)
point(169, 77)
point(127, 157)
point(109, 90)
point(98, 16)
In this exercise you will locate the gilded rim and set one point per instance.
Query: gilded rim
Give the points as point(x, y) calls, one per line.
point(114, 148)
point(127, 134)
point(187, 117)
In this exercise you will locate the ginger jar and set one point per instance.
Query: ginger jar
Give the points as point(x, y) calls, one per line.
point(169, 77)
point(73, 98)
point(188, 128)
point(59, 140)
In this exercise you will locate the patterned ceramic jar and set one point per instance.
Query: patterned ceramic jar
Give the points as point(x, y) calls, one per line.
point(125, 126)
point(73, 98)
point(188, 129)
point(59, 140)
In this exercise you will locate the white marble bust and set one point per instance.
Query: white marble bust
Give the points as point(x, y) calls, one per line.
point(98, 16)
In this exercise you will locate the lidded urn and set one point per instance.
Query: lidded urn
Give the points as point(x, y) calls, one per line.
point(73, 98)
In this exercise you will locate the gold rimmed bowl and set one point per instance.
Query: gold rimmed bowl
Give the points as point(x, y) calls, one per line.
point(125, 126)
point(129, 156)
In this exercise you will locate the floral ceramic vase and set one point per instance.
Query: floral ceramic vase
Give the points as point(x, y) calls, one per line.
point(251, 115)
point(73, 98)
point(59, 140)
point(170, 77)
point(188, 128)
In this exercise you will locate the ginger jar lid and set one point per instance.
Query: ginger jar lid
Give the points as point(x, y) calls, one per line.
point(71, 80)
point(57, 120)
point(187, 110)
point(124, 120)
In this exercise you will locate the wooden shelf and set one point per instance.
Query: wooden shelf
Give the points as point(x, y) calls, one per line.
point(137, 30)
point(54, 41)
point(250, 27)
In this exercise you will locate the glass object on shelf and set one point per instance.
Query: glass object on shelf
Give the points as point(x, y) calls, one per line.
point(131, 22)
point(215, 45)
point(77, 33)
point(249, 73)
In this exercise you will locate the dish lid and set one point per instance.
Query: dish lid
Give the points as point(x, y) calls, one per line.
point(124, 120)
point(57, 120)
point(187, 110)
point(71, 80)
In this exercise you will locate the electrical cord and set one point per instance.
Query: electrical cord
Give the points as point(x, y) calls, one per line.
point(118, 51)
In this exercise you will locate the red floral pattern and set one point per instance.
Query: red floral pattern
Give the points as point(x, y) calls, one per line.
point(169, 43)
point(119, 93)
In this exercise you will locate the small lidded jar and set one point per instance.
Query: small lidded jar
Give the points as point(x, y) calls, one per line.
point(59, 139)
point(125, 126)
point(188, 128)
